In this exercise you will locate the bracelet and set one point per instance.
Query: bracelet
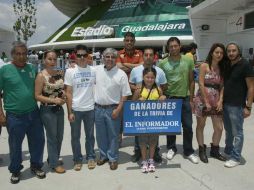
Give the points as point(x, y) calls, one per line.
point(248, 108)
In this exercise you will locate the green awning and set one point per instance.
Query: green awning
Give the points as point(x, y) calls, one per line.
point(145, 18)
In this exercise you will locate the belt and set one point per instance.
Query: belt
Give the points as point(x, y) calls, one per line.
point(215, 86)
point(48, 104)
point(106, 106)
point(176, 97)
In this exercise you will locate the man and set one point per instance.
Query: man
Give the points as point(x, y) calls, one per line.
point(22, 113)
point(97, 57)
point(238, 98)
point(179, 73)
point(136, 78)
point(33, 58)
point(129, 57)
point(192, 51)
point(61, 59)
point(79, 82)
point(111, 90)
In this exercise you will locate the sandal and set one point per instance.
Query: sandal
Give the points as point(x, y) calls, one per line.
point(38, 172)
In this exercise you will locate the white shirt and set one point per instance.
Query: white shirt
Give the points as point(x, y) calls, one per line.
point(110, 85)
point(82, 81)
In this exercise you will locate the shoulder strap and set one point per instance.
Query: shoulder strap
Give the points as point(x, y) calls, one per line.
point(149, 94)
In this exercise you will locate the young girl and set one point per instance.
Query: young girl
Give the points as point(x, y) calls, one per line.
point(148, 91)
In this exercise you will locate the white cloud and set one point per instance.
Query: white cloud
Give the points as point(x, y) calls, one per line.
point(49, 19)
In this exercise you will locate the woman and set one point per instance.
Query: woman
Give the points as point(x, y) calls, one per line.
point(208, 100)
point(49, 91)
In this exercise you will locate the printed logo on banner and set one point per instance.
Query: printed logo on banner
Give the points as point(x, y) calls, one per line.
point(152, 117)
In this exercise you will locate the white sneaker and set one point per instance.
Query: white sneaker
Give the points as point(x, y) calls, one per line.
point(144, 167)
point(151, 166)
point(193, 158)
point(231, 163)
point(170, 154)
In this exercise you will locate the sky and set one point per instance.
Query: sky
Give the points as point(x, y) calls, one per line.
point(49, 19)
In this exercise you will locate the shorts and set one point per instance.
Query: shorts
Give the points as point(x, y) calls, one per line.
point(148, 139)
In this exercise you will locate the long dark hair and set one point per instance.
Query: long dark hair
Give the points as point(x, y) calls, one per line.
point(223, 62)
point(145, 71)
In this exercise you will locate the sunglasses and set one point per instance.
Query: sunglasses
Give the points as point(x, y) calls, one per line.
point(82, 55)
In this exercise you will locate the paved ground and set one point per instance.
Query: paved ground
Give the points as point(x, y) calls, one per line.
point(176, 174)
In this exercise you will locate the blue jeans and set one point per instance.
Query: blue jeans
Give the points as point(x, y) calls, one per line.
point(53, 122)
point(88, 120)
point(187, 130)
point(19, 125)
point(107, 131)
point(233, 124)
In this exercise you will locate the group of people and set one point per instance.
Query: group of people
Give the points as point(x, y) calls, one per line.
point(95, 96)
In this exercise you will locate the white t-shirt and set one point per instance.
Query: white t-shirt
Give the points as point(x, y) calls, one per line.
point(110, 85)
point(82, 81)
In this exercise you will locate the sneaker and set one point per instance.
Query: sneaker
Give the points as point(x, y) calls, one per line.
point(38, 172)
point(15, 178)
point(151, 167)
point(144, 167)
point(91, 164)
point(231, 163)
point(193, 158)
point(170, 154)
point(77, 166)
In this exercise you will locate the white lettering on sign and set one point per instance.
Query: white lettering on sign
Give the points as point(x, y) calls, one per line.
point(147, 106)
point(151, 124)
point(154, 27)
point(103, 30)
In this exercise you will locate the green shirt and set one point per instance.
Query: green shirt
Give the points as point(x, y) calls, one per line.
point(18, 88)
point(177, 74)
